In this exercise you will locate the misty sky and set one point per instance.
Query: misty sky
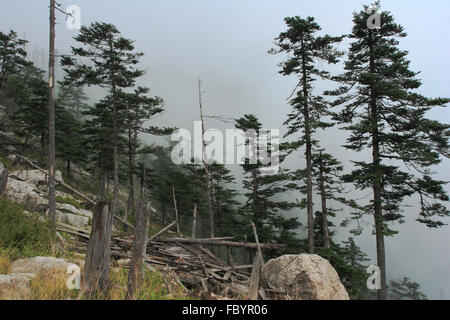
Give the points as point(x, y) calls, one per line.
point(226, 42)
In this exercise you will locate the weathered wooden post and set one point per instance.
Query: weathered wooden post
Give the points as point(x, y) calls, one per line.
point(194, 221)
point(96, 277)
point(3, 178)
point(136, 273)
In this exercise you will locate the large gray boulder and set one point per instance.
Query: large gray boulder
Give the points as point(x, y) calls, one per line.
point(304, 277)
point(80, 222)
point(26, 193)
point(15, 286)
point(40, 265)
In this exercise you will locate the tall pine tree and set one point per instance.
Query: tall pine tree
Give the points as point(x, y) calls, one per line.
point(307, 51)
point(388, 118)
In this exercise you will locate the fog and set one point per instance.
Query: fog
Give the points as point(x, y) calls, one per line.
point(226, 43)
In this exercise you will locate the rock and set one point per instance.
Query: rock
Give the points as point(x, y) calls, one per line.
point(71, 208)
point(305, 277)
point(12, 158)
point(35, 177)
point(75, 220)
point(123, 262)
point(15, 286)
point(40, 265)
point(25, 193)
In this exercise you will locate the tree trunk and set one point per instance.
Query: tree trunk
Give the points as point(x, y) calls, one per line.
point(3, 178)
point(136, 273)
point(96, 274)
point(308, 154)
point(42, 151)
point(194, 222)
point(326, 236)
point(102, 191)
point(377, 188)
point(51, 123)
point(208, 180)
point(164, 213)
point(68, 171)
point(131, 165)
point(176, 211)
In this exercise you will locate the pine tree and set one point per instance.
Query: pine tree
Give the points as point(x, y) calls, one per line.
point(386, 116)
point(113, 62)
point(31, 120)
point(138, 108)
point(261, 206)
point(70, 142)
point(307, 50)
point(224, 200)
point(12, 56)
point(73, 98)
point(405, 289)
point(326, 172)
point(98, 130)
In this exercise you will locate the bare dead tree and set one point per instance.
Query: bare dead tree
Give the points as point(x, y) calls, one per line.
point(205, 164)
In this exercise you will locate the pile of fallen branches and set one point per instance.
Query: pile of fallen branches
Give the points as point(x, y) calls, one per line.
point(192, 264)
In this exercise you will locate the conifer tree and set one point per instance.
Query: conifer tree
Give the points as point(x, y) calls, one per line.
point(32, 117)
point(113, 65)
point(386, 116)
point(224, 199)
point(73, 98)
point(12, 56)
point(307, 51)
point(138, 108)
point(261, 207)
point(405, 289)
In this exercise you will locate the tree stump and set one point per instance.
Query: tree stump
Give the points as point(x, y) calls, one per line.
point(136, 273)
point(3, 178)
point(96, 277)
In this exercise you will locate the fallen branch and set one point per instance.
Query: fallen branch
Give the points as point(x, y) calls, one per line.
point(162, 231)
point(224, 243)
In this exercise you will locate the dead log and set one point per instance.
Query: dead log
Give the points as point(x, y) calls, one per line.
point(261, 259)
point(96, 278)
point(253, 288)
point(136, 272)
point(224, 243)
point(162, 231)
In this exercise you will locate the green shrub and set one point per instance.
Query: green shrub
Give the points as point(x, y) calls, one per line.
point(23, 234)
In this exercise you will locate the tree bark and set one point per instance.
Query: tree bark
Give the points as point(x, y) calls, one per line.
point(377, 188)
point(194, 222)
point(51, 123)
point(3, 179)
point(326, 236)
point(176, 211)
point(102, 177)
point(308, 154)
point(96, 277)
point(136, 273)
point(208, 180)
point(68, 171)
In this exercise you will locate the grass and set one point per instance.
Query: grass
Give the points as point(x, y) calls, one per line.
point(5, 261)
point(68, 200)
point(21, 234)
point(152, 288)
point(53, 287)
